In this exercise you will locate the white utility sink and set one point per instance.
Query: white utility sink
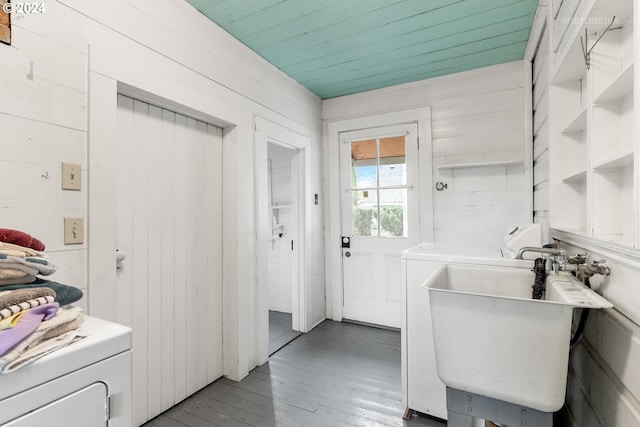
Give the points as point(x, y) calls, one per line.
point(492, 339)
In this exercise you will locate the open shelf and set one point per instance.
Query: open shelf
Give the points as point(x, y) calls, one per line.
point(572, 66)
point(613, 203)
point(577, 124)
point(575, 177)
point(613, 131)
point(619, 161)
point(569, 199)
point(620, 87)
point(478, 164)
point(568, 155)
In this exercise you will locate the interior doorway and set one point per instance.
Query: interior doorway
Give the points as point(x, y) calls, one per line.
point(283, 276)
point(266, 134)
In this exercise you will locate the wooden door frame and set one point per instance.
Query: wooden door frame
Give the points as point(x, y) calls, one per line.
point(333, 221)
point(266, 132)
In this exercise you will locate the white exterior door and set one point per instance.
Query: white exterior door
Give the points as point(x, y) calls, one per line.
point(379, 204)
point(169, 223)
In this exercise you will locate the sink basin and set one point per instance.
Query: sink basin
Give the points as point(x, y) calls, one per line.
point(492, 339)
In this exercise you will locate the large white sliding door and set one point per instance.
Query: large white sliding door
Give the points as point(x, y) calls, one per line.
point(169, 223)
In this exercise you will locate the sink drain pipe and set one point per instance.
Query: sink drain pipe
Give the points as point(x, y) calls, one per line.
point(583, 320)
point(541, 274)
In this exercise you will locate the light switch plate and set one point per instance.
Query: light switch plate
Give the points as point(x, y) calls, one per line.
point(71, 176)
point(73, 231)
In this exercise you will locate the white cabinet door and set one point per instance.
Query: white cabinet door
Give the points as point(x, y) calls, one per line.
point(169, 223)
point(85, 407)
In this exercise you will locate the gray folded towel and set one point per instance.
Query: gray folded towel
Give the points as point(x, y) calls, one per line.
point(65, 294)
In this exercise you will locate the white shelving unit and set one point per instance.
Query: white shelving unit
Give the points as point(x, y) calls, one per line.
point(568, 123)
point(594, 137)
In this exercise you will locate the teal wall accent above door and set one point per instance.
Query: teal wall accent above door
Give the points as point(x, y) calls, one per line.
point(341, 47)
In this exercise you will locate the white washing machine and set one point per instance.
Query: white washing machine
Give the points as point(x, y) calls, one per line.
point(422, 389)
point(87, 383)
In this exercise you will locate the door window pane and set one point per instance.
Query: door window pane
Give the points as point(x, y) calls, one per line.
point(376, 165)
point(365, 220)
point(364, 173)
point(393, 213)
point(393, 161)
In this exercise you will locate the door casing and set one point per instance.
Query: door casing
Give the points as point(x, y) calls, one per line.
point(172, 90)
point(333, 222)
point(268, 132)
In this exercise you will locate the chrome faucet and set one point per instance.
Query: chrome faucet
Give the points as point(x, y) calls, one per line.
point(557, 253)
point(558, 256)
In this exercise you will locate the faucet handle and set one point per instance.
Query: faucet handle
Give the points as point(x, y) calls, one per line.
point(578, 258)
point(597, 267)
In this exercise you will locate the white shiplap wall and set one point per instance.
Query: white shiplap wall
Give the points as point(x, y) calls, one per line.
point(280, 254)
point(43, 122)
point(43, 116)
point(477, 116)
point(603, 387)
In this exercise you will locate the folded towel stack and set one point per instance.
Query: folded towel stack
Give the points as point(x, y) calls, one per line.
point(32, 322)
point(20, 238)
point(22, 261)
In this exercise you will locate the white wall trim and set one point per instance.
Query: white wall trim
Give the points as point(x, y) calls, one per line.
point(101, 228)
point(333, 264)
point(622, 254)
point(527, 87)
point(537, 30)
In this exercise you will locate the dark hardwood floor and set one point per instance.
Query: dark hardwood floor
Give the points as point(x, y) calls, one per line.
point(339, 374)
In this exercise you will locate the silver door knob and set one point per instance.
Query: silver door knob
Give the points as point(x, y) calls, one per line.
point(347, 254)
point(120, 256)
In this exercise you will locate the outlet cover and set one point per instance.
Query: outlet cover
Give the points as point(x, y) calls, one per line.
point(73, 231)
point(71, 176)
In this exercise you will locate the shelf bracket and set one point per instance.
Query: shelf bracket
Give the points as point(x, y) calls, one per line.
point(587, 52)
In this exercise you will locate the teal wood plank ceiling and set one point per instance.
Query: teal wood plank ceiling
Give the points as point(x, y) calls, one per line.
point(341, 47)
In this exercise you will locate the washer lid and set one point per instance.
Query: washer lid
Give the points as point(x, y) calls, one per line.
point(104, 339)
point(461, 254)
